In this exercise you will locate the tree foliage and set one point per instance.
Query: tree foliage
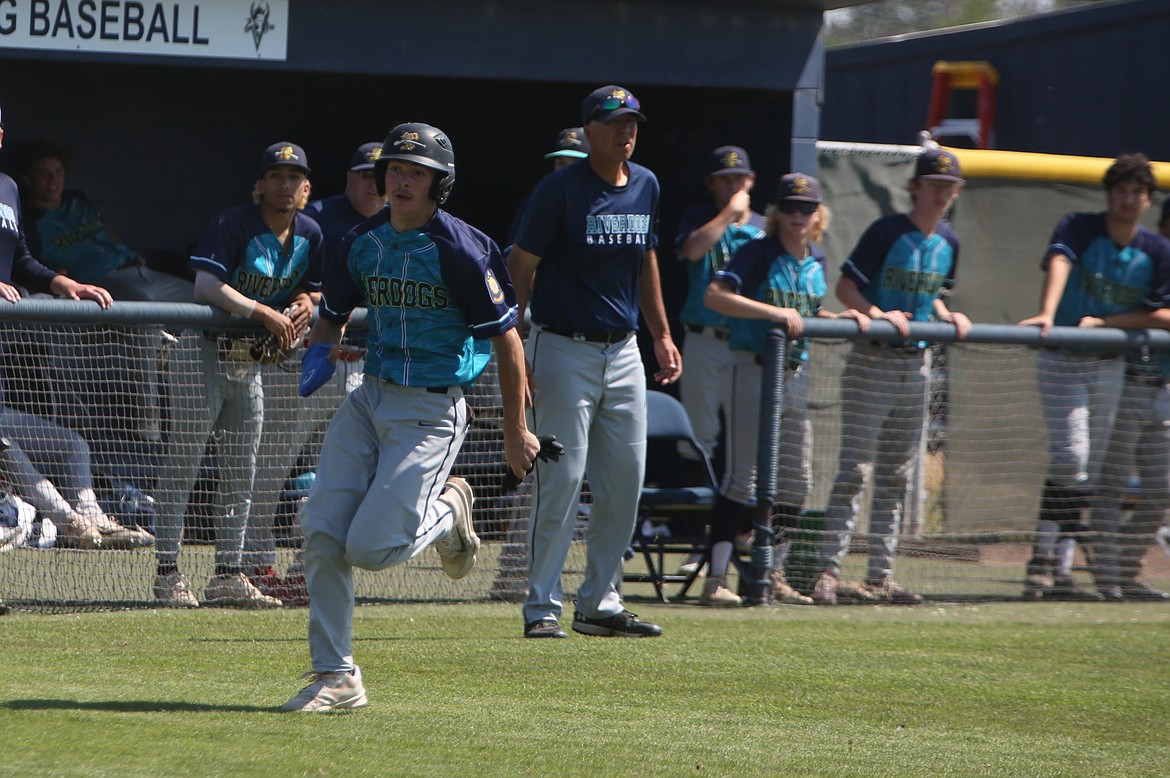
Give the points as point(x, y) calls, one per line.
point(898, 17)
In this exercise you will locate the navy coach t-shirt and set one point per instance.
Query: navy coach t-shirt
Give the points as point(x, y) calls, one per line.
point(592, 238)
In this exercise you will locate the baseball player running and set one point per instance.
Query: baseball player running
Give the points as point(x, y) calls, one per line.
point(901, 268)
point(1096, 265)
point(436, 291)
point(589, 237)
point(255, 261)
point(776, 280)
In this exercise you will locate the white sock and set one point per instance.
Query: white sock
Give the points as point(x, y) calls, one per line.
point(1066, 549)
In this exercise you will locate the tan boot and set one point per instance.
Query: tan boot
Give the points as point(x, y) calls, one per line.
point(717, 595)
point(783, 593)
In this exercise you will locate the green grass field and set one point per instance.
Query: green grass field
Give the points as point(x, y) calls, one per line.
point(1003, 689)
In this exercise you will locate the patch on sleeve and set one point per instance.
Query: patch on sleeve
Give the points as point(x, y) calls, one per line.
point(493, 287)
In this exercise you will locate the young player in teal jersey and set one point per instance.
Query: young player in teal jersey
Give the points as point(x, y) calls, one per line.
point(1097, 265)
point(901, 269)
point(708, 236)
point(778, 279)
point(256, 261)
point(436, 293)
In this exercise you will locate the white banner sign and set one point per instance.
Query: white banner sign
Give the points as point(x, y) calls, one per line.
point(252, 29)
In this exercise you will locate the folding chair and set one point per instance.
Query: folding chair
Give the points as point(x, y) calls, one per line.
point(677, 495)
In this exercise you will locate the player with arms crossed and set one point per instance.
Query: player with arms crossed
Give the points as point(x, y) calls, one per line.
point(589, 237)
point(436, 290)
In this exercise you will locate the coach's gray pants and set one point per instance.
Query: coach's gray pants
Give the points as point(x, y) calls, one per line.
point(592, 396)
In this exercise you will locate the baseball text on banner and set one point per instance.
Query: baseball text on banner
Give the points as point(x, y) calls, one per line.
point(211, 28)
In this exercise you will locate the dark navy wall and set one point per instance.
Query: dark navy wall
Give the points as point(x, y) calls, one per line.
point(161, 149)
point(163, 143)
point(1090, 81)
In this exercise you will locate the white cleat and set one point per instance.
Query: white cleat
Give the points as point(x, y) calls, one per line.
point(457, 550)
point(236, 591)
point(336, 690)
point(173, 591)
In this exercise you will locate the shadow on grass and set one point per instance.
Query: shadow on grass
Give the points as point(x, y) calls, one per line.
point(371, 639)
point(135, 706)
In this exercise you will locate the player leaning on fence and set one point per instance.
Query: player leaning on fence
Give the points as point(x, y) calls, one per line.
point(1096, 265)
point(436, 291)
point(257, 261)
point(776, 280)
point(901, 269)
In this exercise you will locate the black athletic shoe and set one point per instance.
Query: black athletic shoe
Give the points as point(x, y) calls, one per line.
point(1134, 589)
point(1065, 587)
point(544, 628)
point(623, 625)
point(1111, 593)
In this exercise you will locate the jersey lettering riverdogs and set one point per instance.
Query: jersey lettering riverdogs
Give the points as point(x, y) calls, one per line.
point(900, 279)
point(762, 270)
point(589, 275)
point(7, 217)
point(617, 228)
point(240, 250)
point(434, 296)
point(1107, 278)
point(898, 268)
point(399, 293)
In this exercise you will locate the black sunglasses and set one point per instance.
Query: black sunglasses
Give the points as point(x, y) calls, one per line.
point(797, 206)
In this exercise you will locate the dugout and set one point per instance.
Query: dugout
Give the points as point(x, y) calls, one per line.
point(168, 125)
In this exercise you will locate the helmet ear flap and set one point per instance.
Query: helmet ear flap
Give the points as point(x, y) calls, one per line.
point(441, 187)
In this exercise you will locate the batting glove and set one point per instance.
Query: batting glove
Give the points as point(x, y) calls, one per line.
point(550, 451)
point(316, 368)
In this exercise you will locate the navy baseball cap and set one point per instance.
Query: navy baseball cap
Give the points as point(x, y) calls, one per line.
point(800, 187)
point(285, 154)
point(937, 165)
point(571, 142)
point(608, 103)
point(729, 159)
point(365, 156)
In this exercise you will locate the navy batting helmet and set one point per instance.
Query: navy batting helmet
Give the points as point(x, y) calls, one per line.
point(423, 145)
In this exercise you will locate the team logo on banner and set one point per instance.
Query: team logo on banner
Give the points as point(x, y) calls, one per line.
point(258, 22)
